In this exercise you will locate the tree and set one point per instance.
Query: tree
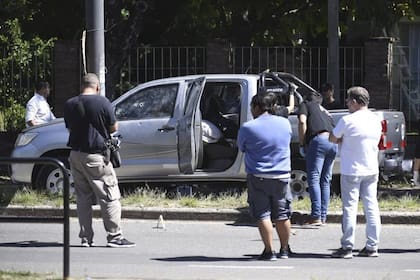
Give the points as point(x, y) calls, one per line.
point(24, 63)
point(133, 23)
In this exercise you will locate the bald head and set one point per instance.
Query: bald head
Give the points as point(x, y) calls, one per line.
point(90, 81)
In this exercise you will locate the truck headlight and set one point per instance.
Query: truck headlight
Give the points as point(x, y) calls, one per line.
point(25, 138)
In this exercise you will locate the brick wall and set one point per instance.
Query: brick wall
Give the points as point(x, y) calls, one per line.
point(67, 65)
point(378, 62)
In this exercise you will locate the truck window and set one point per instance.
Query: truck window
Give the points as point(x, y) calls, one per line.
point(148, 103)
point(221, 105)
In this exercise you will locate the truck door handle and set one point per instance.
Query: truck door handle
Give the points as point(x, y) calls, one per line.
point(166, 128)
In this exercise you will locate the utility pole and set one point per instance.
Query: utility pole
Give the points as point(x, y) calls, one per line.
point(333, 74)
point(95, 40)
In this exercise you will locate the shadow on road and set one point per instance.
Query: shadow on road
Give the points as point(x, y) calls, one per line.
point(204, 259)
point(31, 243)
point(398, 251)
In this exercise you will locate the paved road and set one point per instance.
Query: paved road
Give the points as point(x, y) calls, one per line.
point(206, 250)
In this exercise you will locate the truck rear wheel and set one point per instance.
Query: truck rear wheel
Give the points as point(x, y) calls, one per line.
point(299, 184)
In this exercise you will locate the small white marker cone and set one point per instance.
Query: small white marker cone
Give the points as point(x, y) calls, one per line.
point(160, 222)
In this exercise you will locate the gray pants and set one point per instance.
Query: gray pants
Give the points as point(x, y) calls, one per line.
point(365, 187)
point(95, 181)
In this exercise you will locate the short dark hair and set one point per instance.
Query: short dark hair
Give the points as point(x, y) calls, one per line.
point(360, 94)
point(90, 80)
point(326, 87)
point(264, 100)
point(41, 84)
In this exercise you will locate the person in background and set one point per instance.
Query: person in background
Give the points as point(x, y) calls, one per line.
point(358, 134)
point(284, 111)
point(37, 109)
point(90, 118)
point(416, 164)
point(327, 91)
point(314, 126)
point(265, 140)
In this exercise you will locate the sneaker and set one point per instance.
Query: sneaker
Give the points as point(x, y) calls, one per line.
point(343, 254)
point(87, 244)
point(120, 243)
point(313, 222)
point(368, 253)
point(267, 256)
point(284, 253)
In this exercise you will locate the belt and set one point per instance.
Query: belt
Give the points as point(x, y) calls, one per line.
point(323, 133)
point(85, 151)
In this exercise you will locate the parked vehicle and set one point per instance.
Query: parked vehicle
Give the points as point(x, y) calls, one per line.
point(160, 127)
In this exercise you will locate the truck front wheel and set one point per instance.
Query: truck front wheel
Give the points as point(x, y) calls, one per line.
point(50, 178)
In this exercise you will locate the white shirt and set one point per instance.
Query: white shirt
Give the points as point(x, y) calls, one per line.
point(38, 109)
point(361, 132)
point(211, 133)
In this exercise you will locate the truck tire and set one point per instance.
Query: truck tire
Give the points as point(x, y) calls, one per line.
point(299, 184)
point(51, 180)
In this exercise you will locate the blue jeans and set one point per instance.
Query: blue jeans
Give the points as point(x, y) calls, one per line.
point(351, 188)
point(320, 155)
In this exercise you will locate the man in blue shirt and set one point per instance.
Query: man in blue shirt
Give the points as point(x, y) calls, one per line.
point(266, 144)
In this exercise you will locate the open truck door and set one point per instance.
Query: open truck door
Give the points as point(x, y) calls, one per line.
point(189, 132)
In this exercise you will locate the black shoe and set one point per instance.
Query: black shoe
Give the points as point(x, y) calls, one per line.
point(343, 254)
point(120, 243)
point(87, 244)
point(284, 253)
point(368, 253)
point(268, 256)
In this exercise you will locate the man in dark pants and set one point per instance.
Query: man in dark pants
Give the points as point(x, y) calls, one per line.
point(266, 144)
point(90, 119)
point(315, 124)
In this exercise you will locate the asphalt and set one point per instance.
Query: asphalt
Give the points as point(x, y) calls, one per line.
point(194, 214)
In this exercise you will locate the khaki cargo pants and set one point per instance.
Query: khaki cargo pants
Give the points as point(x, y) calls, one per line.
point(95, 181)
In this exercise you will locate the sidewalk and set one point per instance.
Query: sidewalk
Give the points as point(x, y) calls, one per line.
point(198, 214)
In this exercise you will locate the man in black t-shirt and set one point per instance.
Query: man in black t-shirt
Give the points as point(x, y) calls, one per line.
point(90, 119)
point(315, 124)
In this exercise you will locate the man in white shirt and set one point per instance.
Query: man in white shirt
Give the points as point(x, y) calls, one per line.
point(358, 134)
point(37, 109)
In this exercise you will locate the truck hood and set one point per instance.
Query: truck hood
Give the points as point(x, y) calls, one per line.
point(57, 123)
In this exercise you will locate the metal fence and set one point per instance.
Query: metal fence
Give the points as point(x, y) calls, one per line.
point(308, 63)
point(19, 75)
point(65, 219)
point(406, 83)
point(150, 63)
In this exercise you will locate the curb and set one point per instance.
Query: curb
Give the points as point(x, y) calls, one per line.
point(197, 214)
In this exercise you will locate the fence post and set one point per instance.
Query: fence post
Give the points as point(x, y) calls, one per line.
point(66, 200)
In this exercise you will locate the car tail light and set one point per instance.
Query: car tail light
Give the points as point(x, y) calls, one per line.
point(383, 143)
point(403, 143)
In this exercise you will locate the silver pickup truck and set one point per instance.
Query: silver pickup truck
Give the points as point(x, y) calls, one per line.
point(161, 130)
